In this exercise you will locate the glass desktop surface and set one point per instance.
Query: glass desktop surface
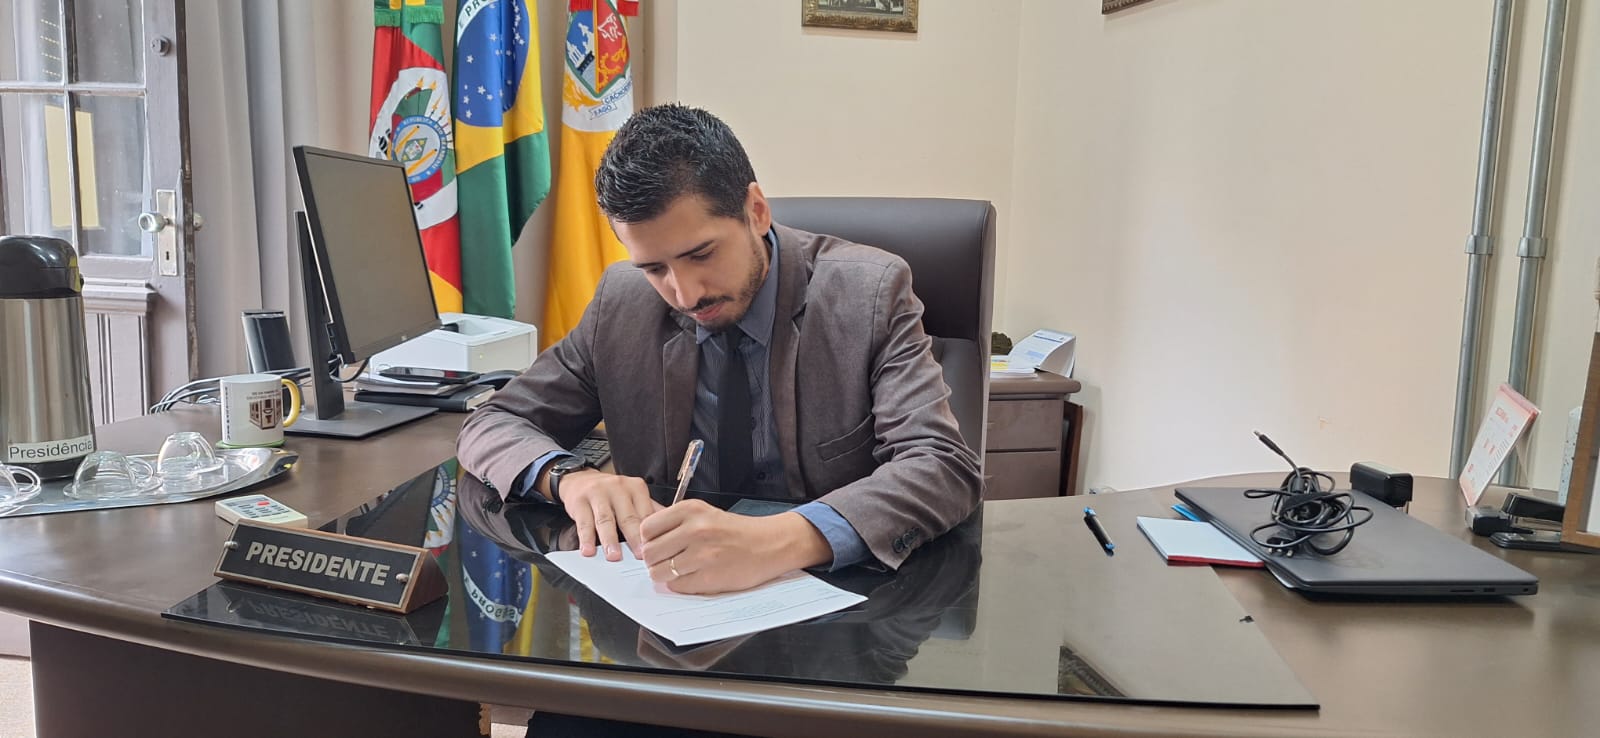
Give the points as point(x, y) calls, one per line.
point(1002, 605)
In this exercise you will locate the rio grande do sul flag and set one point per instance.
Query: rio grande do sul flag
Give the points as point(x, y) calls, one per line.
point(411, 125)
point(596, 97)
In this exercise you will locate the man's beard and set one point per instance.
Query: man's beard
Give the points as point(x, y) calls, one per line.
point(745, 297)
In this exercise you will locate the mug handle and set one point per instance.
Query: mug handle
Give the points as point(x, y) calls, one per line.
point(143, 471)
point(296, 404)
point(33, 477)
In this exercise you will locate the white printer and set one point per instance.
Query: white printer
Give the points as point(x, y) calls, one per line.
point(474, 343)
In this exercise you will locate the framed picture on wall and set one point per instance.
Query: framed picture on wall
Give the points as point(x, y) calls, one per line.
point(866, 15)
point(1108, 7)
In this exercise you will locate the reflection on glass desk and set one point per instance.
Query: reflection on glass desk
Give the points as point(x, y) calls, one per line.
point(1044, 623)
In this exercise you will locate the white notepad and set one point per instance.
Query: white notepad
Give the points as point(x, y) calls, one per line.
point(1190, 542)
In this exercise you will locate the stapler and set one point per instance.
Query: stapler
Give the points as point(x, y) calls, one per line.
point(1524, 522)
point(1485, 520)
point(1519, 513)
point(1523, 506)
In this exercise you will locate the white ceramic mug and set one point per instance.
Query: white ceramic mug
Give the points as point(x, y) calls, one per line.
point(253, 412)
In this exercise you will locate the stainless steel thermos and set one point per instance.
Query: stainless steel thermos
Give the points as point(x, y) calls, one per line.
point(45, 423)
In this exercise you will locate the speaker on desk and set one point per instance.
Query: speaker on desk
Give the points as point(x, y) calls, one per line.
point(266, 340)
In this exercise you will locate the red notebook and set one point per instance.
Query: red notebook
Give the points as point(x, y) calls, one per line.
point(1190, 542)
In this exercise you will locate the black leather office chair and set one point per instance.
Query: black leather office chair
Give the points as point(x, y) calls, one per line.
point(949, 245)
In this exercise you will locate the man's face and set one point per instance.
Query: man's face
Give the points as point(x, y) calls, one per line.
point(705, 266)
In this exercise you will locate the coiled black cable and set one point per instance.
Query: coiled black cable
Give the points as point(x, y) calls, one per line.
point(1304, 510)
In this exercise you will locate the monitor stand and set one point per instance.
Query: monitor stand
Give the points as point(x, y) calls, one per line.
point(333, 416)
point(358, 420)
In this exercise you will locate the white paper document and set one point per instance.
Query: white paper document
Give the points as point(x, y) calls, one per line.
point(1052, 351)
point(690, 619)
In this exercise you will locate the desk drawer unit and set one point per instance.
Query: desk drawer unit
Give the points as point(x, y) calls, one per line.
point(1022, 457)
point(1025, 424)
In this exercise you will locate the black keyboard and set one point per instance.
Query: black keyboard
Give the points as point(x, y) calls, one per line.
point(594, 449)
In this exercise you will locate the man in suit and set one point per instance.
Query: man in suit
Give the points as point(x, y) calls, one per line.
point(799, 359)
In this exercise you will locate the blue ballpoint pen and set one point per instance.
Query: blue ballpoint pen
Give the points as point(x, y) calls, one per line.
point(1093, 521)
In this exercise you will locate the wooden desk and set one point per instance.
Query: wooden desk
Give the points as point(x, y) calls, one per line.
point(96, 583)
point(1025, 453)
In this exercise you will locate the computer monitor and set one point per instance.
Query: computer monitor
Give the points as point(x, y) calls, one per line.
point(364, 234)
point(365, 281)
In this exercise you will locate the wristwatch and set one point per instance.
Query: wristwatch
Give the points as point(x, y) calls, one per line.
point(562, 467)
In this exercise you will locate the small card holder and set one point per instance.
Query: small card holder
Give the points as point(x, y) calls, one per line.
point(359, 571)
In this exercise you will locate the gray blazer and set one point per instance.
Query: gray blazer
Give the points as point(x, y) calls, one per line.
point(861, 407)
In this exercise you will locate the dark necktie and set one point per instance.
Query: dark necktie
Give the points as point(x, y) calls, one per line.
point(734, 429)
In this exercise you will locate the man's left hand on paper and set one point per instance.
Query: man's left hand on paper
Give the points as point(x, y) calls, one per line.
point(695, 548)
point(604, 505)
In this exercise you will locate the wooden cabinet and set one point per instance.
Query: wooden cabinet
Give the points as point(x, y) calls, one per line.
point(1030, 449)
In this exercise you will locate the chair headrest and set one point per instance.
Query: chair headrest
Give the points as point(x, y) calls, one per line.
point(949, 245)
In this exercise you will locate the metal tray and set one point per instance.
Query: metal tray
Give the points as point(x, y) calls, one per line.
point(241, 468)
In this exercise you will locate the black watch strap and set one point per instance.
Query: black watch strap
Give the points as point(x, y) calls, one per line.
point(562, 467)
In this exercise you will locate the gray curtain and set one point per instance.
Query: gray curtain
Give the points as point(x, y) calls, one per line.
point(264, 76)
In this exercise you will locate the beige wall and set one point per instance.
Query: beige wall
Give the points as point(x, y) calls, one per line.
point(1252, 213)
point(841, 112)
point(1257, 210)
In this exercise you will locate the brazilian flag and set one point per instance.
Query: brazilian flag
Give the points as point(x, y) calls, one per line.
point(502, 151)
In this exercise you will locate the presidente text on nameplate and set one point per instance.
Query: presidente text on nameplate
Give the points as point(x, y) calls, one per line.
point(378, 574)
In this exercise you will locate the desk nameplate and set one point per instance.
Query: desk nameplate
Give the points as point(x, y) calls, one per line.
point(359, 571)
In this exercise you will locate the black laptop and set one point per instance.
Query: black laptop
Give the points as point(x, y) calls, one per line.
point(1394, 554)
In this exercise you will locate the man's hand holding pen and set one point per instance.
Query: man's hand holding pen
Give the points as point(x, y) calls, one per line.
point(694, 548)
point(690, 546)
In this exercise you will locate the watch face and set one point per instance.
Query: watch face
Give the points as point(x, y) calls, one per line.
point(561, 468)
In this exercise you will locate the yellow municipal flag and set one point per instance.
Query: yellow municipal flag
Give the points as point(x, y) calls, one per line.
point(597, 97)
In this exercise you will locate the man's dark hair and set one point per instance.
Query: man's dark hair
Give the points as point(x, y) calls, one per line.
point(669, 151)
